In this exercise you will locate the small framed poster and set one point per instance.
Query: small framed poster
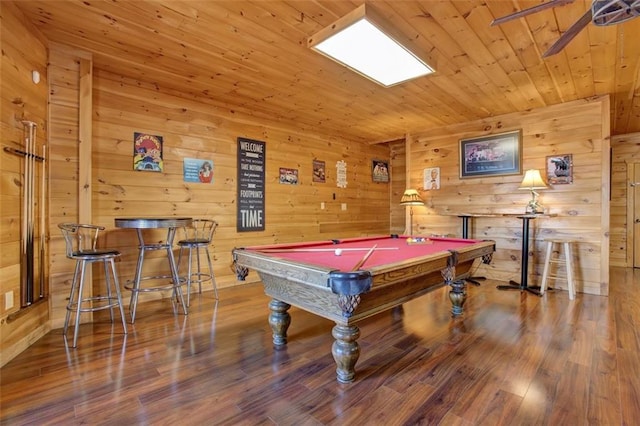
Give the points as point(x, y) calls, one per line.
point(341, 174)
point(319, 171)
point(380, 171)
point(288, 176)
point(196, 170)
point(147, 152)
point(560, 169)
point(432, 178)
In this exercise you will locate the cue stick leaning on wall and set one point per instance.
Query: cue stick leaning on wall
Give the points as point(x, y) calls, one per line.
point(42, 214)
point(28, 215)
point(27, 289)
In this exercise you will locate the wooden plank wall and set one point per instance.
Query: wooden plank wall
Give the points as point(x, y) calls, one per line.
point(625, 152)
point(21, 99)
point(64, 75)
point(398, 185)
point(579, 128)
point(192, 129)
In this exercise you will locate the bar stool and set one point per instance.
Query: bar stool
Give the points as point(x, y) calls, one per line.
point(81, 241)
point(567, 261)
point(198, 236)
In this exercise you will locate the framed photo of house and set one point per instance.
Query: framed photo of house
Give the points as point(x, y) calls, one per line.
point(560, 169)
point(493, 155)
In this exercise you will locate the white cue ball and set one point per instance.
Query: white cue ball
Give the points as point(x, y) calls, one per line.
point(338, 252)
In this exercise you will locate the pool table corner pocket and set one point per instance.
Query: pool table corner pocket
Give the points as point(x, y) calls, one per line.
point(349, 286)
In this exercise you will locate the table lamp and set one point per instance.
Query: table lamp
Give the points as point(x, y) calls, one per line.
point(411, 198)
point(532, 181)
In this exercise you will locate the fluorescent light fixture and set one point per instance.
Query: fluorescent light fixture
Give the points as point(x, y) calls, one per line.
point(364, 42)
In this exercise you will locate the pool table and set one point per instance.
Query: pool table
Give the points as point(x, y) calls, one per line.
point(364, 277)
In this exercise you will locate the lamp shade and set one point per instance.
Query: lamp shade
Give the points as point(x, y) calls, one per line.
point(532, 180)
point(411, 198)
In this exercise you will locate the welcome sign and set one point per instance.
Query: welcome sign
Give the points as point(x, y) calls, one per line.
point(251, 185)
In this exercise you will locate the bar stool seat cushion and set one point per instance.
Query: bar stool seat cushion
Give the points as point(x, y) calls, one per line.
point(95, 254)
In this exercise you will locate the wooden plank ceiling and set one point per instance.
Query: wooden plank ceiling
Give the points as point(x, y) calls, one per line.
point(252, 57)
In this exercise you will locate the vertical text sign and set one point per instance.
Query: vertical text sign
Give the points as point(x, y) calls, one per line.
point(251, 173)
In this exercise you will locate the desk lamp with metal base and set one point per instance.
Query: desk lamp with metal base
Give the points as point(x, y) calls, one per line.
point(411, 198)
point(532, 181)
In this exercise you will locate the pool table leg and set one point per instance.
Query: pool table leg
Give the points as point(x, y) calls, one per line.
point(458, 292)
point(457, 295)
point(279, 320)
point(346, 351)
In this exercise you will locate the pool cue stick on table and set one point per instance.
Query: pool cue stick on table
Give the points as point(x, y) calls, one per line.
point(364, 258)
point(312, 250)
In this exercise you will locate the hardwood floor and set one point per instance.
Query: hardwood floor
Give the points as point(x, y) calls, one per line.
point(513, 359)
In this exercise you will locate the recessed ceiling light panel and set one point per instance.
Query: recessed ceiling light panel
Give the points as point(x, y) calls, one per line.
point(361, 42)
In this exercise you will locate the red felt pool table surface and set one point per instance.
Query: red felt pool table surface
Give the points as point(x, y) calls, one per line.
point(388, 250)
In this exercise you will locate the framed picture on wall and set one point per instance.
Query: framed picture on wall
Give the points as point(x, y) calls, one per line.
point(147, 152)
point(492, 155)
point(197, 170)
point(560, 169)
point(380, 171)
point(288, 176)
point(431, 178)
point(319, 168)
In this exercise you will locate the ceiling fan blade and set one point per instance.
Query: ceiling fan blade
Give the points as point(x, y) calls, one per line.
point(569, 34)
point(529, 11)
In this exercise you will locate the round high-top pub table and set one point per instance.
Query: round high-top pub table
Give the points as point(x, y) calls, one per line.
point(171, 224)
point(524, 259)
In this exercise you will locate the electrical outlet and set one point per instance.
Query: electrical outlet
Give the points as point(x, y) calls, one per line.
point(344, 206)
point(322, 206)
point(8, 300)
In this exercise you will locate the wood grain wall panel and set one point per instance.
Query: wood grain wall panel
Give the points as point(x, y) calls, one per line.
point(65, 160)
point(192, 129)
point(21, 99)
point(574, 128)
point(625, 152)
point(398, 165)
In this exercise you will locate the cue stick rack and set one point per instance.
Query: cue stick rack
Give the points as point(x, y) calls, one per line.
point(32, 213)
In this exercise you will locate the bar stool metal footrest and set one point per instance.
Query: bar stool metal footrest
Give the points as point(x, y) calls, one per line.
point(198, 237)
point(81, 242)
